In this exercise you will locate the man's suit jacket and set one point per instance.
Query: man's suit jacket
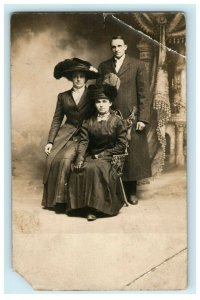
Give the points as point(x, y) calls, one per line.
point(133, 92)
point(134, 88)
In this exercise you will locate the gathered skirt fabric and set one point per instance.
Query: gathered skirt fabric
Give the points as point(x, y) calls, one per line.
point(55, 189)
point(97, 186)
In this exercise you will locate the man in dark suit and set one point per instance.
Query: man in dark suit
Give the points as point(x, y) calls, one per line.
point(134, 103)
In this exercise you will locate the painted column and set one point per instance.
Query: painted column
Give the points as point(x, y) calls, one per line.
point(180, 158)
point(171, 131)
point(180, 104)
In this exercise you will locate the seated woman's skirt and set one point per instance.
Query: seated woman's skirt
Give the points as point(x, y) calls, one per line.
point(97, 186)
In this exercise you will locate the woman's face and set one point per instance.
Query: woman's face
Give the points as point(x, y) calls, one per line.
point(78, 79)
point(103, 106)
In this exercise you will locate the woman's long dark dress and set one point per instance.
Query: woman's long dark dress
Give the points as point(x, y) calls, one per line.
point(65, 142)
point(97, 186)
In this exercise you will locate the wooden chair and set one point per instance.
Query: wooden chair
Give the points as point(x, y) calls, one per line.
point(117, 164)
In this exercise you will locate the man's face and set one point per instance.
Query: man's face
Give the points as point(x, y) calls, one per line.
point(118, 47)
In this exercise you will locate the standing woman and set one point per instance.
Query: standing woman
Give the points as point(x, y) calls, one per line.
point(94, 185)
point(63, 140)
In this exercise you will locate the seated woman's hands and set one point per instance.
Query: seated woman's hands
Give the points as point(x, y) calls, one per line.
point(48, 148)
point(78, 166)
point(97, 156)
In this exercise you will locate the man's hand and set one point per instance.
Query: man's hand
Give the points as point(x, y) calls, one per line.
point(140, 126)
point(48, 148)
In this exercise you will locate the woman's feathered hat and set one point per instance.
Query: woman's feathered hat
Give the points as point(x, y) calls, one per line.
point(67, 67)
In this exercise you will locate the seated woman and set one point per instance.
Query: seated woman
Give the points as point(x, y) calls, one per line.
point(94, 185)
point(63, 140)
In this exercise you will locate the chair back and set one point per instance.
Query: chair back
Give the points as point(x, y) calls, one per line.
point(118, 159)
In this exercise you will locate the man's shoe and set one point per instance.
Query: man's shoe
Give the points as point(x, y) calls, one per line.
point(91, 217)
point(133, 199)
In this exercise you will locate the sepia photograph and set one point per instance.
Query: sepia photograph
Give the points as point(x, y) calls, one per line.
point(99, 150)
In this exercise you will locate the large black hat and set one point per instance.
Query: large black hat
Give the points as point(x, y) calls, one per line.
point(67, 67)
point(105, 91)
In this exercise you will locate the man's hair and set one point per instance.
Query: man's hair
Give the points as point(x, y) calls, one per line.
point(119, 37)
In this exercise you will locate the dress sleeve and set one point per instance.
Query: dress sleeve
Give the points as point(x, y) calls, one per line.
point(57, 120)
point(83, 143)
point(121, 140)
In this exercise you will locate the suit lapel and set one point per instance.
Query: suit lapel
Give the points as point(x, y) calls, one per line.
point(71, 98)
point(112, 66)
point(83, 99)
point(124, 66)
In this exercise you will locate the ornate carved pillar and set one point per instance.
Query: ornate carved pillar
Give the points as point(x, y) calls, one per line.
point(180, 158)
point(162, 21)
point(166, 29)
point(181, 70)
point(179, 84)
point(179, 103)
point(145, 50)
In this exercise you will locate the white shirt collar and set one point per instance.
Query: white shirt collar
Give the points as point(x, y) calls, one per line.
point(79, 91)
point(121, 59)
point(119, 62)
point(77, 94)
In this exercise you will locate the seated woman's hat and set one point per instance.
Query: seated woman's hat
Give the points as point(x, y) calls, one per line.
point(104, 91)
point(67, 67)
